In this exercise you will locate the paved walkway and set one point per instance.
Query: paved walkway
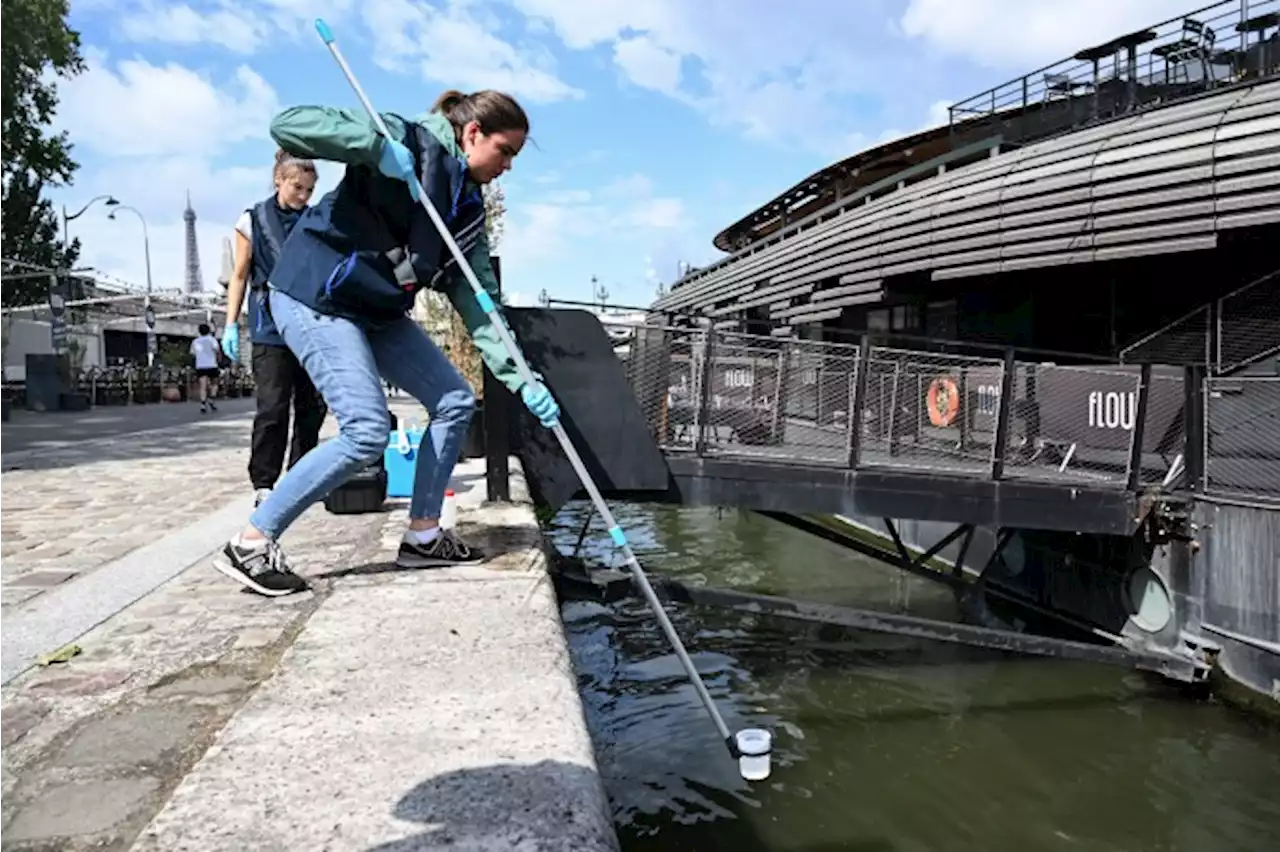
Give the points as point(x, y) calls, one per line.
point(27, 430)
point(385, 710)
point(70, 508)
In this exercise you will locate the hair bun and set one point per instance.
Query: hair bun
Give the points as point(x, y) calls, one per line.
point(446, 102)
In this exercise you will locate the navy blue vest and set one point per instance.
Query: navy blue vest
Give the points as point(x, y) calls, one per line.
point(270, 229)
point(366, 248)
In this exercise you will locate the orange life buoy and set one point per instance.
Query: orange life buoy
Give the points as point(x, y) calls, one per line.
point(944, 401)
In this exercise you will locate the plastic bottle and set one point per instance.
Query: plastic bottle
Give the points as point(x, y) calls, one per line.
point(754, 747)
point(449, 511)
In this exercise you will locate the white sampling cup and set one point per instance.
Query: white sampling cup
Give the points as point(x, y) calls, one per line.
point(754, 747)
point(449, 511)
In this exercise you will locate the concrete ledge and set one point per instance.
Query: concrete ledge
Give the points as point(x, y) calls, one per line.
point(415, 710)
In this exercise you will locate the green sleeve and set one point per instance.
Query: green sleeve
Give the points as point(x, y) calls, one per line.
point(486, 339)
point(328, 133)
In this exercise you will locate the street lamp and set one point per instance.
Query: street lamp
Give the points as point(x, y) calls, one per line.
point(599, 291)
point(67, 217)
point(149, 314)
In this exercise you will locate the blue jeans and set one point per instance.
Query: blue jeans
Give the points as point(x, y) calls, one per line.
point(347, 365)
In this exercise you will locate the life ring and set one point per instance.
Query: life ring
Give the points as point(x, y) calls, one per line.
point(944, 401)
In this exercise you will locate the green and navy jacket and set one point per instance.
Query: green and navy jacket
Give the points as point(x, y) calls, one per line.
point(366, 248)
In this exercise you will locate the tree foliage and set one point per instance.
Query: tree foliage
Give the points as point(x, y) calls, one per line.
point(37, 41)
point(458, 346)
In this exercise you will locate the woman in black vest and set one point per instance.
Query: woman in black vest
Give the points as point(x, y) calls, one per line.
point(340, 293)
point(277, 374)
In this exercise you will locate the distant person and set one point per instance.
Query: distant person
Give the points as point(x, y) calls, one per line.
point(277, 373)
point(206, 350)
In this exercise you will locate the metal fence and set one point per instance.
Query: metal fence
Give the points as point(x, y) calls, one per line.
point(1227, 334)
point(1208, 47)
point(1242, 437)
point(866, 406)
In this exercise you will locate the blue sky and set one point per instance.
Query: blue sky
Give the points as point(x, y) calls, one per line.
point(656, 122)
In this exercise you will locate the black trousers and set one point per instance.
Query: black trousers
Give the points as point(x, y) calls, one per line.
point(280, 379)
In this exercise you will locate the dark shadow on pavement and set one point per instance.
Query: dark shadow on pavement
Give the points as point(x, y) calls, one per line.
point(494, 539)
point(548, 805)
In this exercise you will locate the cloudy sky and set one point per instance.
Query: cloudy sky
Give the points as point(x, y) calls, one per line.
point(656, 122)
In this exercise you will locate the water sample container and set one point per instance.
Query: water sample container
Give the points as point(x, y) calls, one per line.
point(449, 511)
point(754, 747)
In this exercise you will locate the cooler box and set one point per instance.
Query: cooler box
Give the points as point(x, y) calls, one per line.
point(401, 457)
point(365, 491)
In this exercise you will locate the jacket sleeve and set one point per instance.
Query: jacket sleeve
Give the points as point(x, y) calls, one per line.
point(329, 133)
point(477, 322)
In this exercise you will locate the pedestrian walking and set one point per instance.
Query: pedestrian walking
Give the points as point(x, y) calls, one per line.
point(206, 351)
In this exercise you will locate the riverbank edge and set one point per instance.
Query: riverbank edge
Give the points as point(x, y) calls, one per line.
point(441, 702)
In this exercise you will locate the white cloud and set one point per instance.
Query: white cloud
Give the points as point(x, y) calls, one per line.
point(564, 221)
point(778, 73)
point(155, 133)
point(819, 75)
point(242, 27)
point(1022, 34)
point(139, 109)
point(648, 63)
point(226, 26)
point(455, 45)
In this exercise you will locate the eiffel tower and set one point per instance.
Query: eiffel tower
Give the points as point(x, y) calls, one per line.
point(194, 280)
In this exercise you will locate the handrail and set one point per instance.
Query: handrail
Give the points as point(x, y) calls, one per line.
point(1101, 426)
point(1016, 95)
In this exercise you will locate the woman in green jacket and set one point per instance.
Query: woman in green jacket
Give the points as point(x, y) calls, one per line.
point(340, 292)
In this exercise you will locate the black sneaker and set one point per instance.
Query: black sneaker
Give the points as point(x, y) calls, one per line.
point(443, 550)
point(262, 569)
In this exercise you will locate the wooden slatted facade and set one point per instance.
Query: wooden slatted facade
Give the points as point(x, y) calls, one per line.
point(1167, 180)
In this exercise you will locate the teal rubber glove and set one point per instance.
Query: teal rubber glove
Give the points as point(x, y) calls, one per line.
point(231, 341)
point(540, 403)
point(395, 161)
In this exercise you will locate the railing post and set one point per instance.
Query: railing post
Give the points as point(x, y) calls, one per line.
point(777, 428)
point(1001, 442)
point(859, 400)
point(1139, 421)
point(1194, 427)
point(703, 411)
point(496, 427)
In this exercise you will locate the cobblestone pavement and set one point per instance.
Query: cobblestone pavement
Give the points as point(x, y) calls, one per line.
point(94, 747)
point(69, 510)
point(43, 430)
point(91, 749)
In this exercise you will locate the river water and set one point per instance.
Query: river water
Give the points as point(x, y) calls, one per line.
point(881, 742)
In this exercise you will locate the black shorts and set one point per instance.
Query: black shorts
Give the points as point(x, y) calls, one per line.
point(208, 372)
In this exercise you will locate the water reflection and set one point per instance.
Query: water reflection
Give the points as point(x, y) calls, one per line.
point(885, 742)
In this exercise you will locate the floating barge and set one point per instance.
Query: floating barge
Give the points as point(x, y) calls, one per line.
point(1033, 353)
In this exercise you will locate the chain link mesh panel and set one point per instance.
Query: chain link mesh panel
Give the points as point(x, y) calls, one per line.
point(1071, 424)
point(930, 411)
point(1242, 437)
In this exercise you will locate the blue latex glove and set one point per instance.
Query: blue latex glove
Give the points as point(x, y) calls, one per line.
point(231, 341)
point(395, 161)
point(539, 401)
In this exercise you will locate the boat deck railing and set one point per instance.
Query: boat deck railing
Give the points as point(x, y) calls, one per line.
point(1225, 335)
point(1205, 49)
point(912, 408)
